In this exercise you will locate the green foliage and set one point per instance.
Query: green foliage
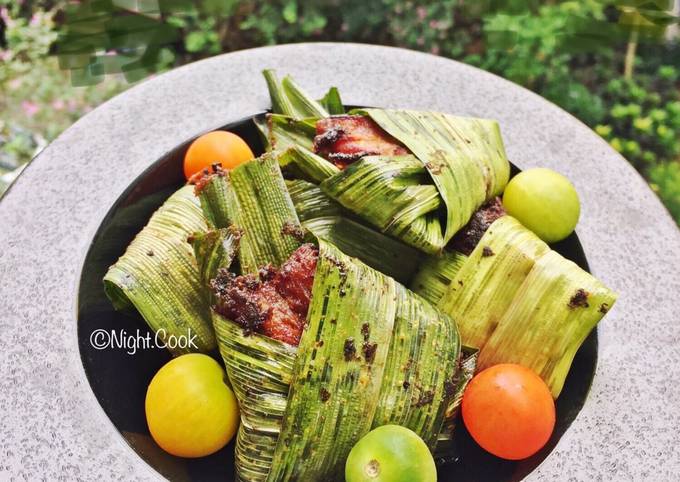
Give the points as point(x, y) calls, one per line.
point(28, 40)
point(285, 21)
point(665, 180)
point(113, 36)
point(571, 52)
point(644, 119)
point(37, 101)
point(536, 50)
point(437, 27)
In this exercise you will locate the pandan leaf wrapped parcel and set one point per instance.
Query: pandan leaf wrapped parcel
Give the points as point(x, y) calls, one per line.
point(417, 176)
point(517, 300)
point(372, 353)
point(158, 275)
point(336, 377)
point(409, 195)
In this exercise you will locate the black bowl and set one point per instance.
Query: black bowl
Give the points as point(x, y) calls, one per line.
point(119, 379)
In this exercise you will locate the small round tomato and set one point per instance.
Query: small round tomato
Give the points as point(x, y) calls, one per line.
point(190, 410)
point(509, 411)
point(225, 148)
point(544, 201)
point(390, 453)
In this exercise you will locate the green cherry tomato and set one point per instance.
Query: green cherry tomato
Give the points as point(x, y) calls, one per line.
point(545, 202)
point(390, 454)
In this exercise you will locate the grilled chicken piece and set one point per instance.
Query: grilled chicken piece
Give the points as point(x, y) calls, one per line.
point(295, 278)
point(275, 303)
point(467, 238)
point(344, 139)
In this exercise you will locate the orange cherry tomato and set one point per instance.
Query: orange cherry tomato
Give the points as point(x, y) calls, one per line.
point(509, 411)
point(221, 147)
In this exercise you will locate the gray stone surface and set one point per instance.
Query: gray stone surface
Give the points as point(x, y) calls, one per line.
point(51, 424)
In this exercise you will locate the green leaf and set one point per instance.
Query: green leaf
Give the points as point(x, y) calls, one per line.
point(280, 102)
point(284, 132)
point(435, 274)
point(158, 274)
point(195, 41)
point(253, 199)
point(307, 164)
point(524, 303)
point(289, 12)
point(213, 250)
point(332, 102)
point(395, 195)
point(326, 219)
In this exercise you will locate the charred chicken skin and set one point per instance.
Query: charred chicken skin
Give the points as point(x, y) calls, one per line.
point(467, 238)
point(273, 303)
point(344, 139)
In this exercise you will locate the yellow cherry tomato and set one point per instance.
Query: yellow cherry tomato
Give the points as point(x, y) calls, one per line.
point(190, 410)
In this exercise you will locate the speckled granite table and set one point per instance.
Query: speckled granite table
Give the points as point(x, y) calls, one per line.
point(52, 426)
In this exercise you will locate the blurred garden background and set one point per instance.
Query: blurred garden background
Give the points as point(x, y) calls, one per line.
point(613, 64)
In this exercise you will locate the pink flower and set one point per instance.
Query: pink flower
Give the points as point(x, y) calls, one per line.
point(5, 55)
point(58, 104)
point(30, 108)
point(35, 20)
point(4, 14)
point(435, 49)
point(420, 41)
point(14, 84)
point(421, 12)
